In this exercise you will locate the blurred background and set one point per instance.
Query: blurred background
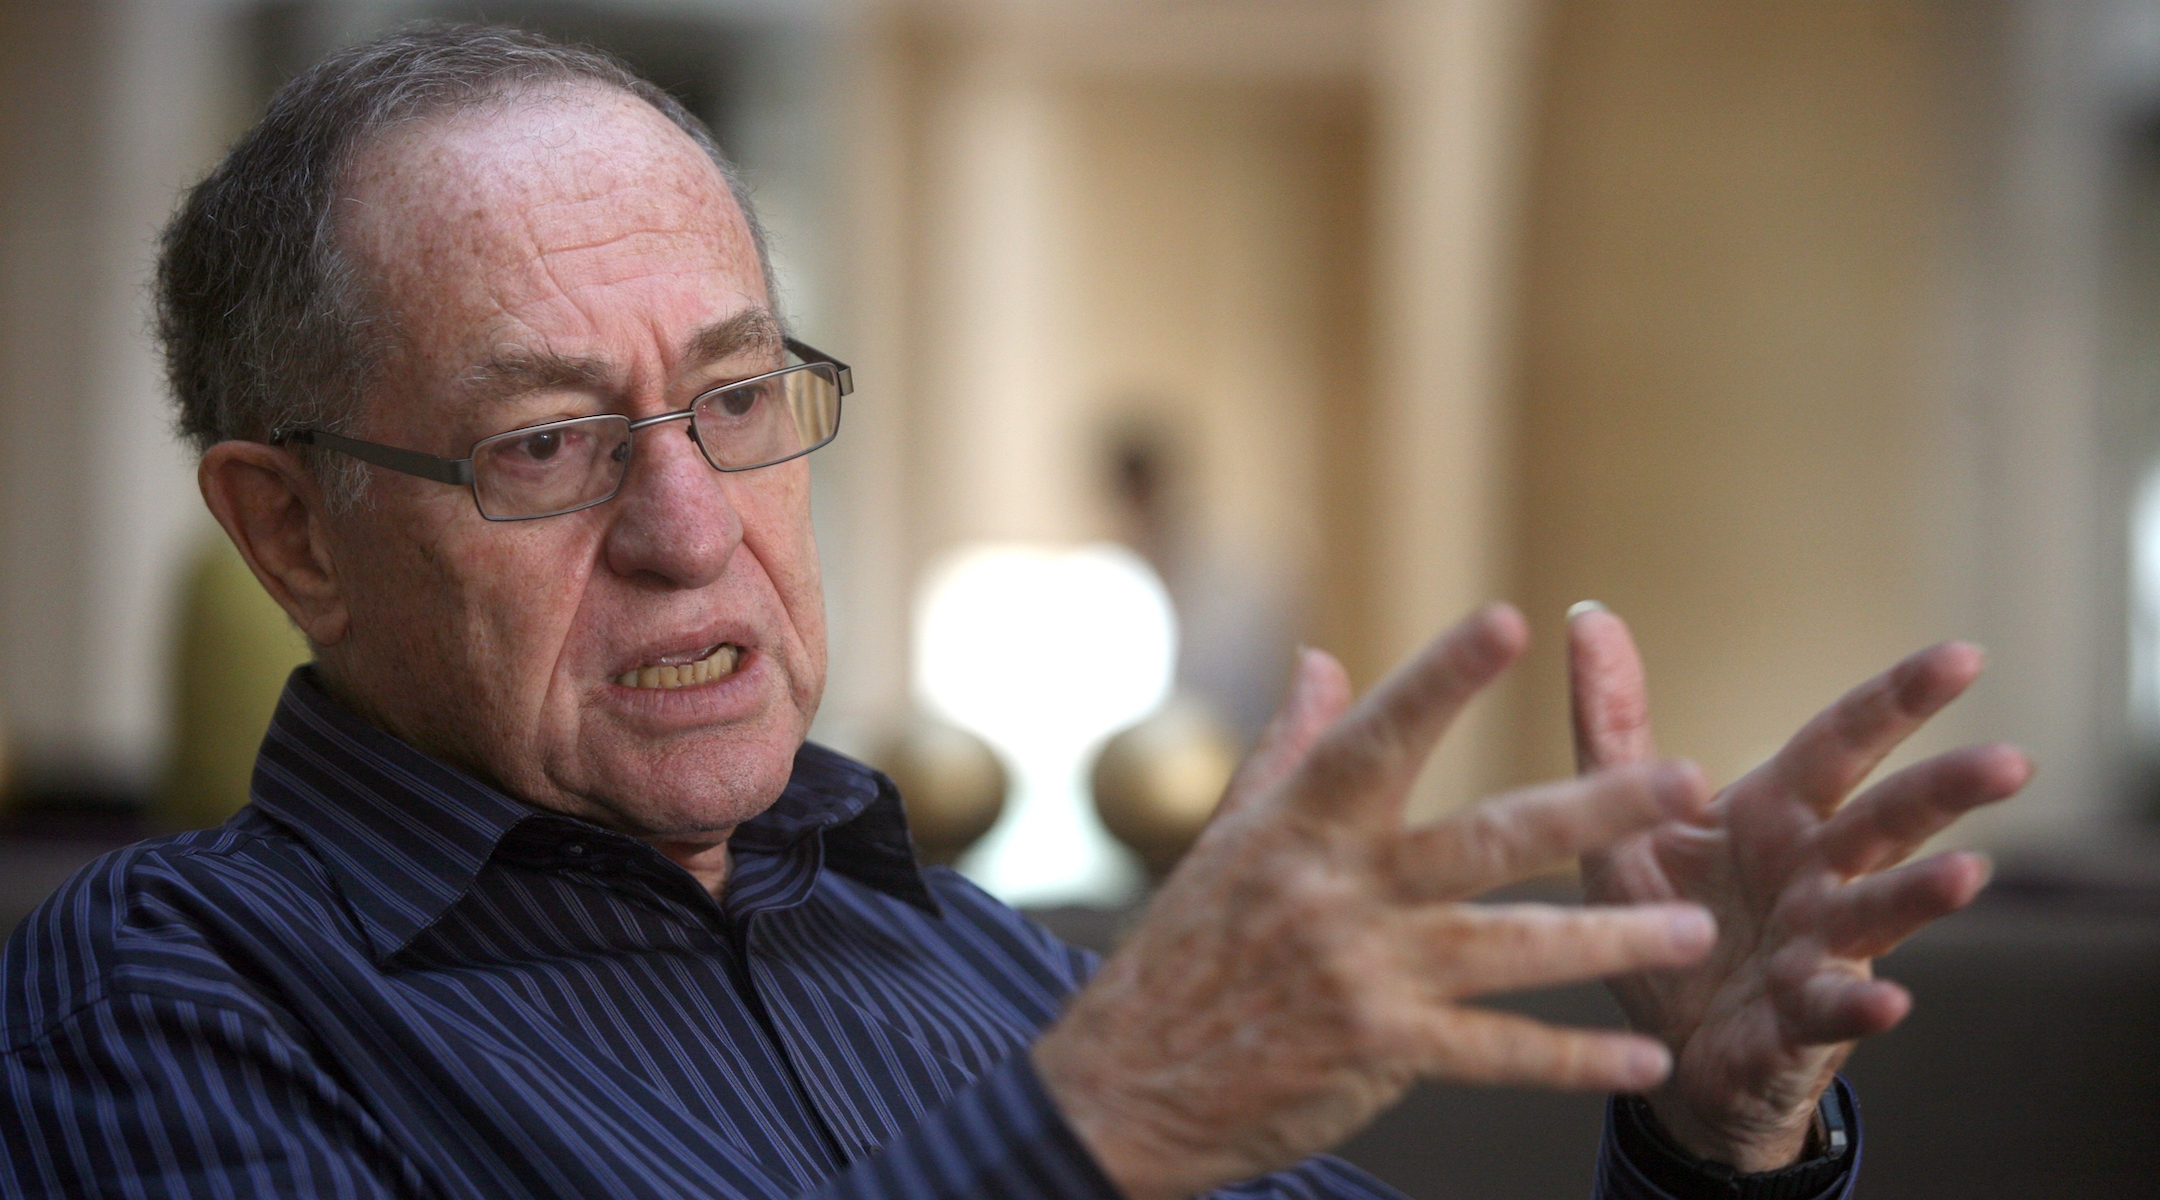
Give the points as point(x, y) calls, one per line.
point(1188, 331)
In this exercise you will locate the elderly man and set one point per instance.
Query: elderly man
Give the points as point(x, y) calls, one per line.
point(541, 891)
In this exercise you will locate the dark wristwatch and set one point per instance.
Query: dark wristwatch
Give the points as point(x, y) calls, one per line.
point(1829, 1155)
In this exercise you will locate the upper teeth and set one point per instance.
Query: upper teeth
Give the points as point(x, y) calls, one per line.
point(720, 662)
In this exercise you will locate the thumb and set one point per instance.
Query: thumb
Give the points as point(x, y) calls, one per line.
point(1319, 693)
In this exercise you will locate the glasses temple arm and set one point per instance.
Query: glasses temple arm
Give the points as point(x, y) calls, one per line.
point(808, 353)
point(456, 471)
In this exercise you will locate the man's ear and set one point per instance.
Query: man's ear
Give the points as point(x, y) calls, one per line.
point(273, 511)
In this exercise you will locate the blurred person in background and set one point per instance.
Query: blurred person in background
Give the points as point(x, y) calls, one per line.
point(542, 892)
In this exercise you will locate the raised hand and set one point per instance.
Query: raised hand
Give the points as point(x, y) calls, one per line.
point(1806, 887)
point(1308, 960)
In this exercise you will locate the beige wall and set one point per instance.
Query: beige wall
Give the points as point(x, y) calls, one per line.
point(1732, 379)
point(1456, 82)
point(1809, 378)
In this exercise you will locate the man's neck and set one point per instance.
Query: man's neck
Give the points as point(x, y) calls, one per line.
point(707, 862)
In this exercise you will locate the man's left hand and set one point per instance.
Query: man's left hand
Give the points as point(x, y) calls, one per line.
point(1806, 887)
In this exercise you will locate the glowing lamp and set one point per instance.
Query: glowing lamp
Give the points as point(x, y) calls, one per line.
point(1044, 652)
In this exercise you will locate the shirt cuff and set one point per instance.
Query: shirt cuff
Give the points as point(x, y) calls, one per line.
point(1002, 1137)
point(1635, 1164)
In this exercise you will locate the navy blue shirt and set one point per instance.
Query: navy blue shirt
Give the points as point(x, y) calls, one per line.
point(385, 978)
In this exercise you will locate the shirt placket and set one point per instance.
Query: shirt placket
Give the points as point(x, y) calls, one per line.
point(866, 1079)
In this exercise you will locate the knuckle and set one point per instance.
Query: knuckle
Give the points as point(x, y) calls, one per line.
point(1356, 756)
point(1627, 713)
point(1544, 824)
point(1569, 1060)
point(1792, 966)
point(1302, 919)
point(1377, 1028)
point(1487, 839)
point(1519, 1054)
point(1914, 684)
point(1622, 938)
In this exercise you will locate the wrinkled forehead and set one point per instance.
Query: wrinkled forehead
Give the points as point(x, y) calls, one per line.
point(538, 195)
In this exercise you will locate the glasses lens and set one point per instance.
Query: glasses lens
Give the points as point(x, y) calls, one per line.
point(554, 468)
point(770, 418)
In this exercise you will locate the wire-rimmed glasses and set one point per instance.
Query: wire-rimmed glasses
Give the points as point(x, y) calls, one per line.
point(559, 467)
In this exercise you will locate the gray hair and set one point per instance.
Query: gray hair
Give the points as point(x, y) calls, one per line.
point(266, 322)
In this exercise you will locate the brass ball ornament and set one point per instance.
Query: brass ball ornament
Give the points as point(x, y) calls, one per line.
point(1157, 783)
point(951, 782)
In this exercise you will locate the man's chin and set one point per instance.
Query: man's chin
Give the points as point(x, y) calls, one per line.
point(699, 790)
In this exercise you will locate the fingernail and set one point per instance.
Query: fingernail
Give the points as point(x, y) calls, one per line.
point(1648, 1061)
point(1691, 930)
point(1584, 606)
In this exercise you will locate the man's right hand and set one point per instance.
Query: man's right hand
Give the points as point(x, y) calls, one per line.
point(1308, 960)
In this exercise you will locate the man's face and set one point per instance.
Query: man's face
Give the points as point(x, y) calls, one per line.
point(559, 255)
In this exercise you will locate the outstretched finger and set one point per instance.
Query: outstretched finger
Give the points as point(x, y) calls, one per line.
point(1522, 833)
point(1364, 764)
point(1869, 917)
point(1885, 824)
point(1608, 701)
point(1833, 752)
point(1496, 1049)
point(1319, 695)
point(1834, 1010)
point(1478, 950)
point(1822, 1001)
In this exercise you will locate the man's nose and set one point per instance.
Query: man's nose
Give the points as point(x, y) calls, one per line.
point(673, 517)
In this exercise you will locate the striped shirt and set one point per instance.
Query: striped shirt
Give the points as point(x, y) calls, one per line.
point(385, 978)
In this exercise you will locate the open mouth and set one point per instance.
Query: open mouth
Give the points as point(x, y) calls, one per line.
point(716, 663)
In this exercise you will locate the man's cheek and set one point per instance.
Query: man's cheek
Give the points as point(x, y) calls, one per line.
point(533, 631)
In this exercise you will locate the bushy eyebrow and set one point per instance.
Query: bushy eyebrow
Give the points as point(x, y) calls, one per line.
point(751, 330)
point(514, 371)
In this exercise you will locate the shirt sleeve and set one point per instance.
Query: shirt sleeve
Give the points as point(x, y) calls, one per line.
point(1004, 1137)
point(1630, 1167)
point(135, 1095)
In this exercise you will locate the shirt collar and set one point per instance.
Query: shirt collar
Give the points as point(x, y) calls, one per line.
point(404, 835)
